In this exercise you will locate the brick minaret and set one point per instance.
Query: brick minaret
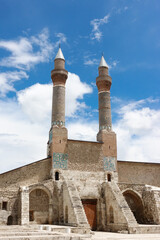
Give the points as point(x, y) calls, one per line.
point(103, 82)
point(58, 132)
point(59, 76)
point(105, 134)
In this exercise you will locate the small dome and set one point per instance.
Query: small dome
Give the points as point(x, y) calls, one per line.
point(59, 54)
point(103, 63)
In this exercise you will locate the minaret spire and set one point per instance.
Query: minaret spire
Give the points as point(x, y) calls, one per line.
point(103, 62)
point(59, 54)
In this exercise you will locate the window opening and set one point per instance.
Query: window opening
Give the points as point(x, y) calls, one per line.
point(4, 206)
point(109, 177)
point(56, 176)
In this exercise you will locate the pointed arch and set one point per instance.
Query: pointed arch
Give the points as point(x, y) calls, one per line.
point(40, 198)
point(135, 204)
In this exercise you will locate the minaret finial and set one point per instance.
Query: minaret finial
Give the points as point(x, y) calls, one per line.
point(103, 62)
point(59, 53)
point(59, 45)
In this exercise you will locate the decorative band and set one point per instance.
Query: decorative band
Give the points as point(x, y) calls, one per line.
point(58, 123)
point(108, 128)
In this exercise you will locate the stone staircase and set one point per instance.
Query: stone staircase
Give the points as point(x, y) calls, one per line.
point(53, 232)
point(40, 232)
point(123, 206)
point(77, 206)
point(133, 226)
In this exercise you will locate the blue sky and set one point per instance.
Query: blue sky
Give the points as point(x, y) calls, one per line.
point(127, 32)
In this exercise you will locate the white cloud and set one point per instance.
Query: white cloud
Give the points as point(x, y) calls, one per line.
point(91, 62)
point(7, 80)
point(75, 90)
point(113, 64)
point(138, 132)
point(62, 37)
point(21, 140)
point(32, 101)
point(25, 121)
point(26, 52)
point(96, 23)
point(33, 98)
point(83, 130)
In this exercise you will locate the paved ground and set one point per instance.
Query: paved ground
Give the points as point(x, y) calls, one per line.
point(115, 236)
point(52, 232)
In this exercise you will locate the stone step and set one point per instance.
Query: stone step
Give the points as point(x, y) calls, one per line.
point(116, 236)
point(40, 237)
point(145, 229)
point(23, 233)
point(126, 238)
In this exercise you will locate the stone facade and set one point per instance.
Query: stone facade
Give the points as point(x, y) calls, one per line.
point(140, 173)
point(81, 183)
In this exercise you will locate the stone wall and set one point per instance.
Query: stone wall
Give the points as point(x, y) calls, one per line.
point(10, 196)
point(139, 173)
point(137, 188)
point(85, 156)
point(27, 175)
point(151, 201)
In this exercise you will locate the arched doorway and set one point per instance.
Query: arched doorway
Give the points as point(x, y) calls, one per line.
point(111, 215)
point(39, 206)
point(135, 204)
point(10, 220)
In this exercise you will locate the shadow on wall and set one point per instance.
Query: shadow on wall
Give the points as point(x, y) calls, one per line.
point(10, 220)
point(39, 206)
point(136, 205)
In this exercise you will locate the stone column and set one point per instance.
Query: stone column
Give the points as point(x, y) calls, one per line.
point(24, 205)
